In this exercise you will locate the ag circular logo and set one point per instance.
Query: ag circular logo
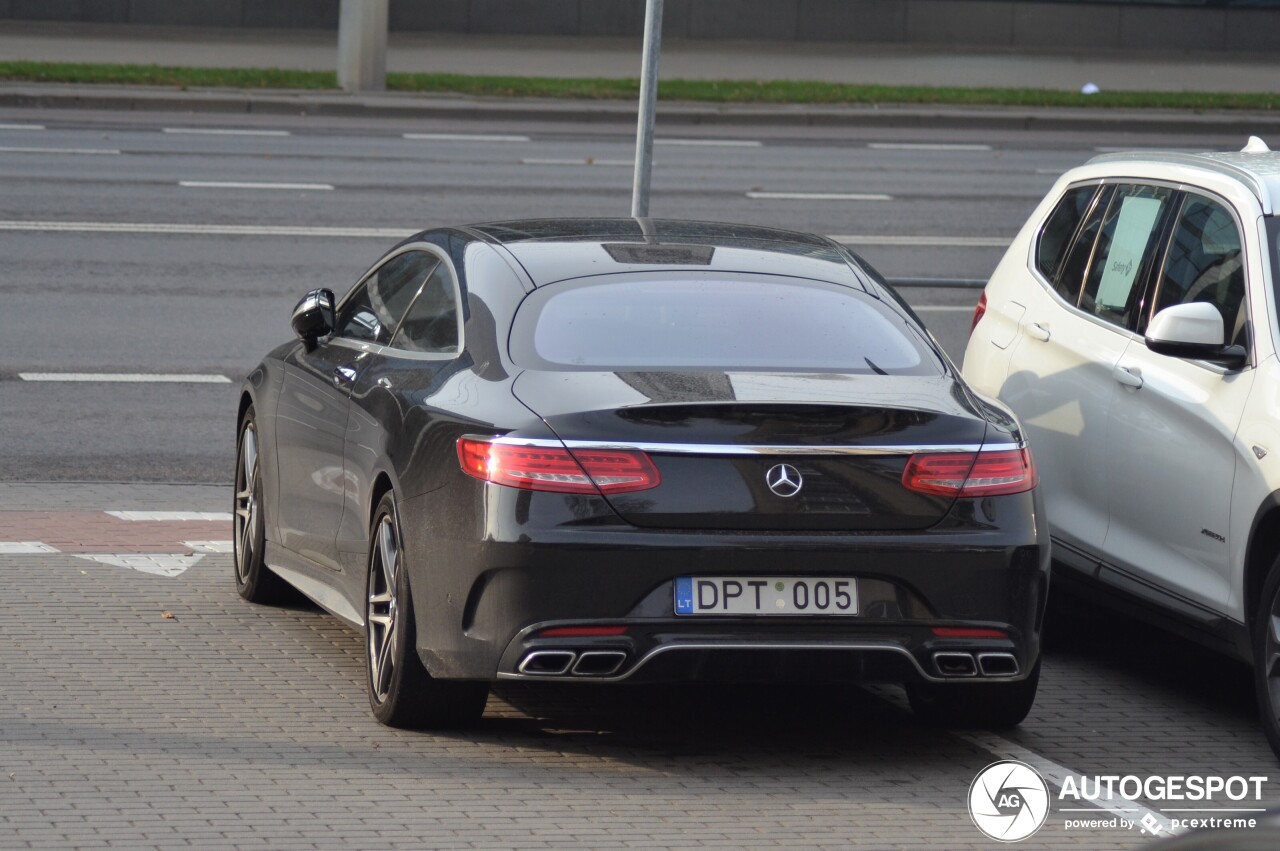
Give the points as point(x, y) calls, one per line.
point(784, 480)
point(1008, 801)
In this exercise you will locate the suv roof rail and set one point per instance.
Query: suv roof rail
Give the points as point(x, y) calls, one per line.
point(1264, 183)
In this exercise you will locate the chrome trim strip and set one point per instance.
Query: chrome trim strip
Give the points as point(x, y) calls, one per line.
point(666, 648)
point(742, 449)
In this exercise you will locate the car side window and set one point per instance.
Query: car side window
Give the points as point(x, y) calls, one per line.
point(1123, 254)
point(431, 324)
point(1204, 263)
point(1057, 234)
point(373, 311)
point(1071, 270)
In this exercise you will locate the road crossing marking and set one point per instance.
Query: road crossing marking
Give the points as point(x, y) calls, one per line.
point(170, 516)
point(22, 127)
point(24, 548)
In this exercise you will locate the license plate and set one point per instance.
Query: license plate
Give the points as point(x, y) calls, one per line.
point(762, 595)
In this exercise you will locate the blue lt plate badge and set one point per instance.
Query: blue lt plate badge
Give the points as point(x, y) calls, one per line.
point(684, 595)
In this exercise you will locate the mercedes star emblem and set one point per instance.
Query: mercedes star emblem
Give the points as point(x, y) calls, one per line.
point(784, 480)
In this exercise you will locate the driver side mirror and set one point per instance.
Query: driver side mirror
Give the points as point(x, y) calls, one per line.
point(313, 317)
point(1193, 331)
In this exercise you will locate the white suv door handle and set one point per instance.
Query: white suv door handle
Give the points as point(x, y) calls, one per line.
point(1040, 332)
point(1126, 376)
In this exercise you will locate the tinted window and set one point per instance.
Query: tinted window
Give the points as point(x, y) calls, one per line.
point(1204, 263)
point(373, 311)
point(1071, 274)
point(1123, 253)
point(1058, 231)
point(717, 324)
point(431, 324)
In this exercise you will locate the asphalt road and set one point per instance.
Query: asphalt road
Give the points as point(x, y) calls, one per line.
point(80, 297)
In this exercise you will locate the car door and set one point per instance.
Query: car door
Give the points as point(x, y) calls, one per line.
point(391, 396)
point(1062, 382)
point(313, 413)
point(1174, 422)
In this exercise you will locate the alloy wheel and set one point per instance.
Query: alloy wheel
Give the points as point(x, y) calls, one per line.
point(248, 514)
point(383, 610)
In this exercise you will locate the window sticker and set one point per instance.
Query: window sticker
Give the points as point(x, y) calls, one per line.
point(1133, 229)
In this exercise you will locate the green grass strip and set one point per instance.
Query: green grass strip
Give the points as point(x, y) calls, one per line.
point(723, 91)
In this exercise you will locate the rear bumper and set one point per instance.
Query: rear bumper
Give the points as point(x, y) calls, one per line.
point(486, 588)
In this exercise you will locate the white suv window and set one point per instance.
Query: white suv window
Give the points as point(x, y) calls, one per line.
point(1123, 253)
point(1204, 263)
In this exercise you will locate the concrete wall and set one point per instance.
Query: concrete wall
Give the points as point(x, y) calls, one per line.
point(1205, 25)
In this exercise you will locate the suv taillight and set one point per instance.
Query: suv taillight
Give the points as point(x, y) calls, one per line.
point(979, 310)
point(541, 468)
point(971, 473)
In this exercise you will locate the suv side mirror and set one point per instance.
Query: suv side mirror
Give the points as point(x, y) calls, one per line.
point(313, 317)
point(1193, 331)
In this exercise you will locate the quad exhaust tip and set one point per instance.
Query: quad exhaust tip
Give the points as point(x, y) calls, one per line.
point(547, 663)
point(998, 664)
point(955, 664)
point(599, 663)
point(557, 663)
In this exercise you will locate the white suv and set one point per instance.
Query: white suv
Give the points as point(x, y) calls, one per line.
point(1132, 328)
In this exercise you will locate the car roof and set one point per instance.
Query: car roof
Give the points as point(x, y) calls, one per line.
point(1257, 171)
point(553, 250)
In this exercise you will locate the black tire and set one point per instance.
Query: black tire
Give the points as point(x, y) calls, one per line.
point(401, 691)
point(1266, 657)
point(989, 706)
point(254, 580)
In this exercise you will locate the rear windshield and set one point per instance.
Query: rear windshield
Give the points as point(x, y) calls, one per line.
point(651, 323)
point(1273, 237)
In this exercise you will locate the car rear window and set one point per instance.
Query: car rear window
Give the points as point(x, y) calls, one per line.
point(759, 324)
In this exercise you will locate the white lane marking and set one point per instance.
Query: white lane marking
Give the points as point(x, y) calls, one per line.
point(1058, 774)
point(941, 241)
point(24, 548)
point(464, 137)
point(88, 151)
point(944, 308)
point(223, 131)
point(818, 196)
point(711, 143)
point(170, 516)
point(158, 565)
point(22, 127)
point(925, 146)
point(125, 377)
point(582, 162)
point(924, 241)
point(210, 547)
point(205, 230)
point(236, 184)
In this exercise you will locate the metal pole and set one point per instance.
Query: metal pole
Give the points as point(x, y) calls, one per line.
point(362, 45)
point(648, 105)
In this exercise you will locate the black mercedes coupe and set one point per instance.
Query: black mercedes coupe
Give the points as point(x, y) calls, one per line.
point(633, 450)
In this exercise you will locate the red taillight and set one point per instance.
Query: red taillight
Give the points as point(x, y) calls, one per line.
point(968, 632)
point(971, 473)
point(580, 631)
point(551, 469)
point(979, 310)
